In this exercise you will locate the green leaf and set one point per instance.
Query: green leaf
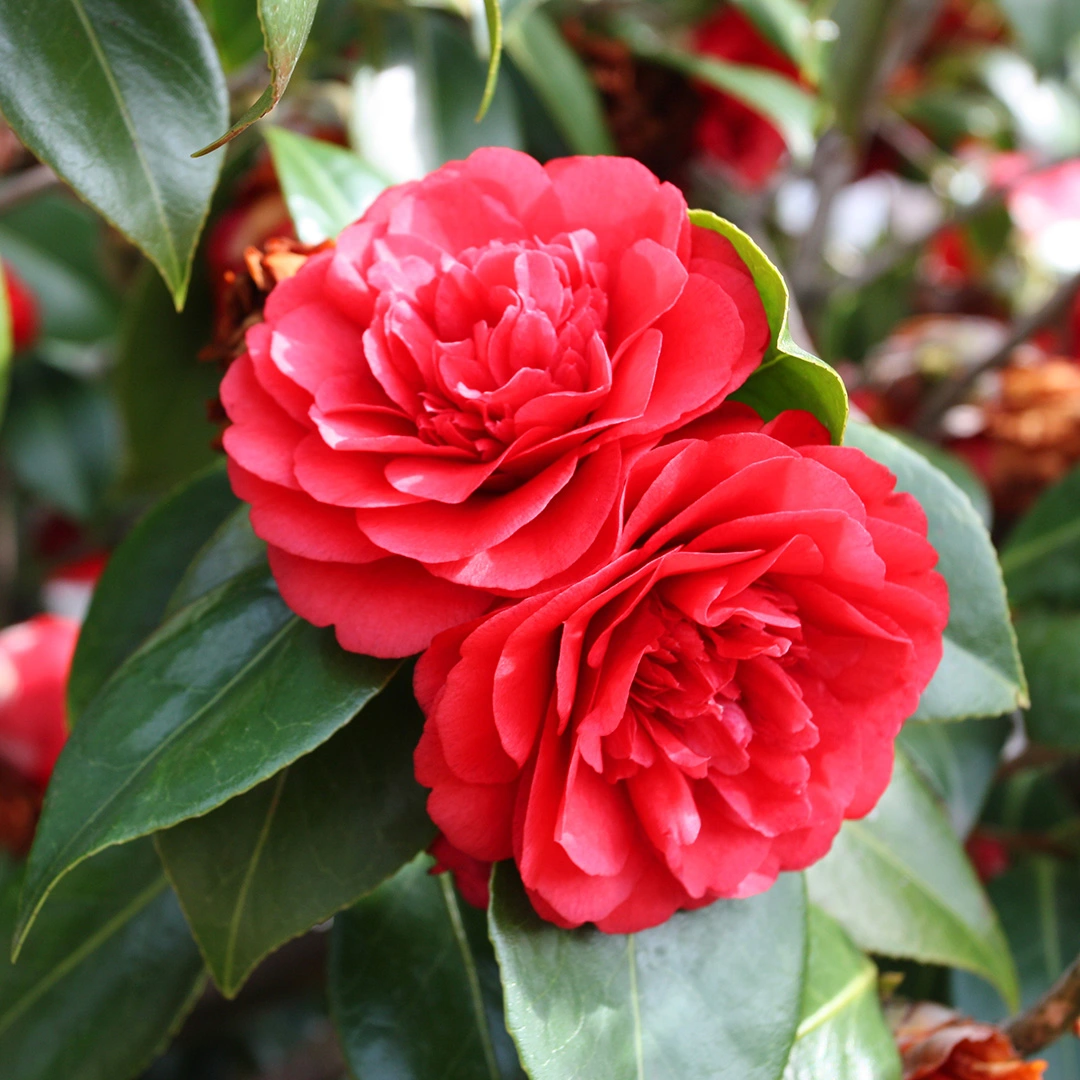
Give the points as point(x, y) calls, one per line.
point(1041, 559)
point(98, 992)
point(713, 993)
point(1036, 899)
point(899, 883)
point(414, 990)
point(851, 64)
point(301, 846)
point(415, 109)
point(980, 673)
point(1050, 646)
point(955, 468)
point(326, 187)
point(789, 376)
point(232, 549)
point(115, 96)
point(141, 574)
point(786, 23)
point(236, 29)
point(285, 26)
point(163, 389)
point(958, 761)
point(1047, 30)
point(842, 1034)
point(559, 79)
point(227, 693)
point(779, 99)
point(55, 245)
point(494, 19)
point(62, 438)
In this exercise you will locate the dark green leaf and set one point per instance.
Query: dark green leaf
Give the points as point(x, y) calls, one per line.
point(899, 883)
point(789, 376)
point(980, 672)
point(1050, 646)
point(236, 29)
point(62, 438)
point(414, 989)
point(416, 108)
point(842, 1034)
point(1036, 900)
point(55, 245)
point(713, 993)
point(956, 469)
point(115, 96)
point(163, 389)
point(285, 26)
point(1041, 560)
point(99, 990)
point(227, 693)
point(793, 110)
point(326, 187)
point(301, 846)
point(958, 761)
point(559, 79)
point(852, 63)
point(142, 573)
point(232, 549)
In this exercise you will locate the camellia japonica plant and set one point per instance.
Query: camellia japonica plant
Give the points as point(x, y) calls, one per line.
point(532, 643)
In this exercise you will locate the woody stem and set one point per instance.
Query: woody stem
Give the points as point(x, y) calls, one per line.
point(1050, 1017)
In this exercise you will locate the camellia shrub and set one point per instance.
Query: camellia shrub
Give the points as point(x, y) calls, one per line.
point(456, 626)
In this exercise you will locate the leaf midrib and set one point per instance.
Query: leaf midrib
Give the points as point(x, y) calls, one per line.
point(1018, 556)
point(129, 123)
point(63, 852)
point(847, 995)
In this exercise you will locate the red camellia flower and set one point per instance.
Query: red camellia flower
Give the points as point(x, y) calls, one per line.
point(35, 658)
point(728, 131)
point(441, 410)
point(703, 711)
point(22, 309)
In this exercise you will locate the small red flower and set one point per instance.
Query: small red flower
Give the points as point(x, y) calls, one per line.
point(704, 710)
point(22, 310)
point(728, 131)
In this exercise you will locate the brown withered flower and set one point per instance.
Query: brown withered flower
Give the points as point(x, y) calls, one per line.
point(937, 1043)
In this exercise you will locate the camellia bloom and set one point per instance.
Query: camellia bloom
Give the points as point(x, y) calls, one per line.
point(22, 310)
point(442, 409)
point(35, 658)
point(705, 710)
point(728, 131)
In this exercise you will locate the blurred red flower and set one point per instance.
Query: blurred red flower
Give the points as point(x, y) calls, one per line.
point(22, 309)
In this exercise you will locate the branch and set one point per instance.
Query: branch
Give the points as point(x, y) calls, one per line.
point(1050, 1017)
point(25, 185)
point(951, 391)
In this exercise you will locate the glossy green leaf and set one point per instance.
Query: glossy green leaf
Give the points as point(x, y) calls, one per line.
point(1036, 900)
point(285, 26)
point(62, 438)
point(958, 761)
point(325, 186)
point(304, 844)
point(6, 340)
point(559, 79)
point(163, 388)
point(227, 693)
point(55, 244)
point(415, 108)
point(112, 972)
point(236, 30)
point(1050, 646)
point(793, 110)
point(955, 468)
point(980, 673)
point(713, 993)
point(842, 1034)
point(789, 376)
point(232, 549)
point(414, 989)
point(1041, 559)
point(899, 883)
point(141, 574)
point(115, 96)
